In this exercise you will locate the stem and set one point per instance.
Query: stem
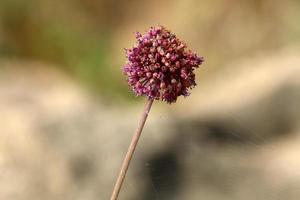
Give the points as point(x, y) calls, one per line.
point(130, 151)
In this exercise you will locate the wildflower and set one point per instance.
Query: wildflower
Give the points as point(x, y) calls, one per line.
point(159, 66)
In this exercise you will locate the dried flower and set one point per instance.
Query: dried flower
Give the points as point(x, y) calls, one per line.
point(160, 67)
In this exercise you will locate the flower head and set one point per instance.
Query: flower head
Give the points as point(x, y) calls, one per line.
point(160, 67)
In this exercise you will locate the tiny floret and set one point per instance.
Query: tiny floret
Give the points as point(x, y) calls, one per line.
point(159, 66)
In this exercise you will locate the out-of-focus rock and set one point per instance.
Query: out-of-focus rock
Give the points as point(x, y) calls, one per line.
point(260, 94)
point(235, 137)
point(240, 138)
point(56, 141)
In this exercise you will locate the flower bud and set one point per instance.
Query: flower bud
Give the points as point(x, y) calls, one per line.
point(160, 67)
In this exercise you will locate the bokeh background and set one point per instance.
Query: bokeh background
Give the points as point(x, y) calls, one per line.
point(67, 115)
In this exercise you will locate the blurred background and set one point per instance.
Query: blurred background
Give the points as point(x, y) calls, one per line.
point(67, 114)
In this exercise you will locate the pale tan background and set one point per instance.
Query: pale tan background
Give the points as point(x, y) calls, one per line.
point(67, 115)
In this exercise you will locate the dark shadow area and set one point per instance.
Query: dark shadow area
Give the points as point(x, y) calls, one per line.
point(263, 121)
point(82, 168)
point(164, 176)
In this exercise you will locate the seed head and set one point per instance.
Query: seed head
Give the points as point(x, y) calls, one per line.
point(160, 67)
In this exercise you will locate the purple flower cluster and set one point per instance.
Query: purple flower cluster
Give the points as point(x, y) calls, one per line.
point(160, 67)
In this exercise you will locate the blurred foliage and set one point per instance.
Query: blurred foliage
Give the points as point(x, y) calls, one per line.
point(54, 33)
point(85, 38)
